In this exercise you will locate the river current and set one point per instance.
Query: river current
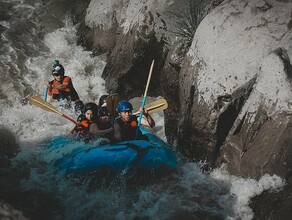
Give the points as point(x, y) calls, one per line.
point(34, 33)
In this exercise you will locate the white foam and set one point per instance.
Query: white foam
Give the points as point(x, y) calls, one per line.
point(243, 190)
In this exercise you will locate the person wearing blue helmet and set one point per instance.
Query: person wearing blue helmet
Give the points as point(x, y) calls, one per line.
point(126, 124)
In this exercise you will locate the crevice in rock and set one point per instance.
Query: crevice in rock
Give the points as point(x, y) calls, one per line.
point(230, 106)
point(188, 121)
point(282, 53)
point(191, 99)
point(261, 118)
point(239, 127)
point(290, 23)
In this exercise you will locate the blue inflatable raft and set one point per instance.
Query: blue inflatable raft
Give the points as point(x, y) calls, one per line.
point(153, 156)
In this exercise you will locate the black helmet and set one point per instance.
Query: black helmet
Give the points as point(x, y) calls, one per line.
point(102, 100)
point(58, 69)
point(103, 112)
point(81, 118)
point(90, 106)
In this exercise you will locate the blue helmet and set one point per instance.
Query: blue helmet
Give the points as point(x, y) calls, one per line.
point(124, 106)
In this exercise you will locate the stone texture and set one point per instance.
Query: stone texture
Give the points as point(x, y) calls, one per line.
point(231, 94)
point(133, 34)
point(259, 141)
point(223, 68)
point(8, 146)
point(235, 95)
point(9, 213)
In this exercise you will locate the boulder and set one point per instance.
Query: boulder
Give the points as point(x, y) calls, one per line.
point(8, 212)
point(8, 146)
point(230, 95)
point(225, 81)
point(235, 96)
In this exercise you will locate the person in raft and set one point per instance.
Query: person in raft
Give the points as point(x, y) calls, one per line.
point(102, 101)
point(126, 124)
point(87, 128)
point(61, 88)
point(104, 121)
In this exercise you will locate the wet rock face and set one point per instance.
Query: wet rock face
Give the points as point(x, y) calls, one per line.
point(8, 212)
point(169, 91)
point(236, 93)
point(274, 205)
point(8, 146)
point(231, 81)
point(258, 143)
point(129, 65)
point(264, 147)
point(134, 33)
point(231, 94)
point(232, 88)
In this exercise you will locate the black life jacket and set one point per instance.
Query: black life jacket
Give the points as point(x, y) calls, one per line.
point(129, 129)
point(104, 126)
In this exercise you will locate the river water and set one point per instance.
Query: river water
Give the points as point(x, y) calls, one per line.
point(33, 34)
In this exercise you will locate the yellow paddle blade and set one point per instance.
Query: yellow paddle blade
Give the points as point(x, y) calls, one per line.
point(112, 102)
point(39, 102)
point(156, 106)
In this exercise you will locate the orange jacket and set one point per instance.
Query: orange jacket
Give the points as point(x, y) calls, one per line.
point(83, 126)
point(68, 92)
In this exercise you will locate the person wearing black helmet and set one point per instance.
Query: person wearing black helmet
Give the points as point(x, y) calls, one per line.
point(86, 127)
point(126, 124)
point(102, 101)
point(62, 87)
point(104, 121)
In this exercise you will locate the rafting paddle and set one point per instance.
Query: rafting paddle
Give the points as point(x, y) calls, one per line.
point(39, 102)
point(112, 102)
point(46, 94)
point(144, 99)
point(155, 106)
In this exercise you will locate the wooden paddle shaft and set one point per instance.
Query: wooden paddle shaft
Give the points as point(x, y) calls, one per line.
point(148, 80)
point(39, 102)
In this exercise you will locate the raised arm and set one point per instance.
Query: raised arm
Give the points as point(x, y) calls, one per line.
point(117, 132)
point(97, 132)
point(147, 120)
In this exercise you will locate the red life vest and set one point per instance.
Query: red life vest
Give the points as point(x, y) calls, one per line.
point(68, 93)
point(83, 126)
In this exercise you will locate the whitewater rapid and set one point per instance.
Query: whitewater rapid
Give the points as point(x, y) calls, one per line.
point(32, 185)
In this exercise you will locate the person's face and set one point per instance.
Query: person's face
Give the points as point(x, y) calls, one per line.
point(57, 77)
point(126, 115)
point(105, 118)
point(89, 114)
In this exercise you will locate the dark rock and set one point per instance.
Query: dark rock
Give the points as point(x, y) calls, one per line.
point(8, 146)
point(274, 205)
point(7, 212)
